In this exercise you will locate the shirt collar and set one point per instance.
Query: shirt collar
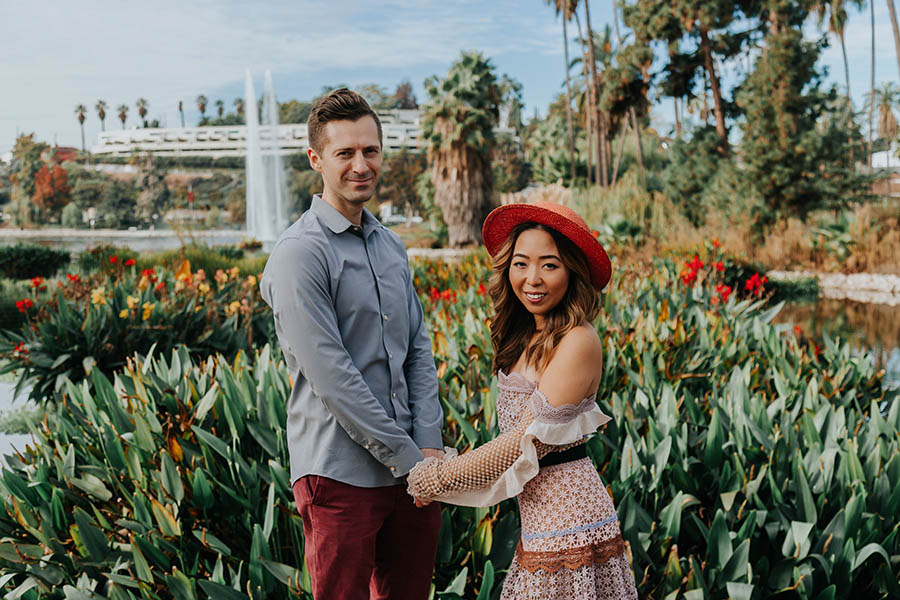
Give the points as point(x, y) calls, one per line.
point(337, 222)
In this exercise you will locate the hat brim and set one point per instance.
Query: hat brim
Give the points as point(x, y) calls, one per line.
point(500, 223)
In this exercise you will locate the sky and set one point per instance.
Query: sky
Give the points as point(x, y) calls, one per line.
point(55, 54)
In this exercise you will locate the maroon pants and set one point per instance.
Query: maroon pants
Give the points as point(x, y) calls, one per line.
point(366, 543)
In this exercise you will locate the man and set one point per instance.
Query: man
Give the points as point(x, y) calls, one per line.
point(364, 407)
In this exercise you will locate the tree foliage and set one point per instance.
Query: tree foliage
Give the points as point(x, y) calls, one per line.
point(460, 116)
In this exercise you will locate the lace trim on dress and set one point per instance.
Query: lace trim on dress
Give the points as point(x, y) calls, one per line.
point(545, 412)
point(515, 382)
point(570, 558)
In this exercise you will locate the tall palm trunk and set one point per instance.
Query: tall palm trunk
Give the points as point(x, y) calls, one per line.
point(619, 150)
point(565, 17)
point(846, 67)
point(83, 148)
point(677, 120)
point(631, 111)
point(587, 106)
point(872, 90)
point(592, 64)
point(896, 31)
point(716, 90)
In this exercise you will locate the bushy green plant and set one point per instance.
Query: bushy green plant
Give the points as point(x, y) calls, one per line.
point(101, 320)
point(208, 259)
point(11, 315)
point(165, 481)
point(104, 257)
point(743, 462)
point(24, 261)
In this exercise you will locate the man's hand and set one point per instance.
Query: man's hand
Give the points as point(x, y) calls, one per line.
point(438, 454)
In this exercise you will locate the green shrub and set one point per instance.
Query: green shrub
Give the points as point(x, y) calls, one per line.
point(98, 322)
point(208, 259)
point(24, 261)
point(743, 463)
point(105, 257)
point(164, 482)
point(19, 420)
point(11, 292)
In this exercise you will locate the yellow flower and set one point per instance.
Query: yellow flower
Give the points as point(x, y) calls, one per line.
point(203, 287)
point(132, 302)
point(123, 313)
point(220, 276)
point(232, 308)
point(148, 308)
point(98, 296)
point(179, 285)
point(251, 280)
point(234, 272)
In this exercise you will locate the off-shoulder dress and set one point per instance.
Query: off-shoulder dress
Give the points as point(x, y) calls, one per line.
point(571, 545)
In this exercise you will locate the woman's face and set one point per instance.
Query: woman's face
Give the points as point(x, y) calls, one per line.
point(537, 274)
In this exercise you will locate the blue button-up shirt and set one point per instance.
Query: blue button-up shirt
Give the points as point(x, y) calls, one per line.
point(365, 395)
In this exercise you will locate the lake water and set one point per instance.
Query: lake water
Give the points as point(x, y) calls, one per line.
point(871, 327)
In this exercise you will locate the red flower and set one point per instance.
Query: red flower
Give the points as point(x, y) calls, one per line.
point(719, 266)
point(160, 286)
point(435, 294)
point(755, 284)
point(113, 259)
point(689, 276)
point(20, 349)
point(481, 289)
point(715, 242)
point(24, 304)
point(73, 278)
point(37, 282)
point(724, 291)
point(130, 262)
point(797, 331)
point(696, 264)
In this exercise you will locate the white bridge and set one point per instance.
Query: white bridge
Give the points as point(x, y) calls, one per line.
point(401, 129)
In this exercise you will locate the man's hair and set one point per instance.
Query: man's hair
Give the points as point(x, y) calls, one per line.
point(339, 105)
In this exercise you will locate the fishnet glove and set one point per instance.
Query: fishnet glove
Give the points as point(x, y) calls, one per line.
point(472, 470)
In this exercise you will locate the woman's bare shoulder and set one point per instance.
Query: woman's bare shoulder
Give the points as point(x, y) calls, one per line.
point(581, 341)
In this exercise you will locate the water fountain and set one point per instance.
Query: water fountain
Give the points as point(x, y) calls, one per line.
point(266, 186)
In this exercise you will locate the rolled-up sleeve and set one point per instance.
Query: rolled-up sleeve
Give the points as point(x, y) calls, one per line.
point(295, 284)
point(421, 378)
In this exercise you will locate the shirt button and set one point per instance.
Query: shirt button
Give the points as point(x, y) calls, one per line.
point(384, 316)
point(390, 355)
point(394, 395)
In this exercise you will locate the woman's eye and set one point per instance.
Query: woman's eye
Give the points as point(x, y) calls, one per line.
point(551, 266)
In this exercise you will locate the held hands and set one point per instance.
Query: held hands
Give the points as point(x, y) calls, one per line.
point(431, 455)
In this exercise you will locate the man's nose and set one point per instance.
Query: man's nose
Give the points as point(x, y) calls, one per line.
point(359, 163)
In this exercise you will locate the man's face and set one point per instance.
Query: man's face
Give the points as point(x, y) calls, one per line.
point(350, 161)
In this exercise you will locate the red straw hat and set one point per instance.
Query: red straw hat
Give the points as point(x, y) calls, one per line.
point(500, 223)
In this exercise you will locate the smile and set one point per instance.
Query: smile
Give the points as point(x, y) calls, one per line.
point(535, 296)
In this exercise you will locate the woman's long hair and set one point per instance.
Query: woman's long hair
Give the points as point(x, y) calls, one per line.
point(513, 326)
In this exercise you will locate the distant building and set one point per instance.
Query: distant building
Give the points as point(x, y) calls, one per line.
point(401, 130)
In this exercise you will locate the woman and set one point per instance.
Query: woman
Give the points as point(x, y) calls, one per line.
point(548, 268)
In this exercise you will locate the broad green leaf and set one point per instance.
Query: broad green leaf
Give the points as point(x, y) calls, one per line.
point(221, 592)
point(94, 540)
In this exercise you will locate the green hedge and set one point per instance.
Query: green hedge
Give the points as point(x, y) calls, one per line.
point(743, 463)
point(24, 261)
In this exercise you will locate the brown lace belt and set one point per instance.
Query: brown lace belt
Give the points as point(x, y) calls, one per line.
point(571, 558)
point(558, 458)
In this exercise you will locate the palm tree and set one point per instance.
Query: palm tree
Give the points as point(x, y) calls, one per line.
point(462, 110)
point(201, 105)
point(239, 106)
point(80, 112)
point(837, 19)
point(896, 30)
point(142, 105)
point(884, 100)
point(101, 112)
point(220, 107)
point(181, 111)
point(123, 113)
point(567, 8)
point(871, 87)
